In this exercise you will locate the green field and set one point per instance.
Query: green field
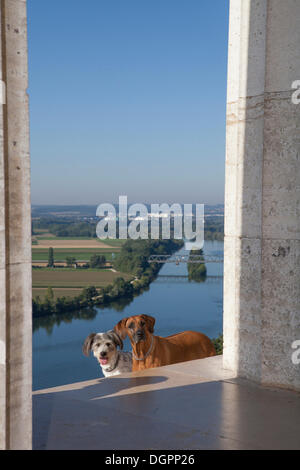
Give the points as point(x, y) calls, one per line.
point(53, 237)
point(106, 241)
point(42, 233)
point(70, 282)
point(57, 292)
point(81, 254)
point(77, 278)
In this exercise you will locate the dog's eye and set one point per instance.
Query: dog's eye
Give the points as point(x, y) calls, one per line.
point(107, 344)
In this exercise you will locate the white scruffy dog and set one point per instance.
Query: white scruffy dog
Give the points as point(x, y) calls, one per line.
point(105, 349)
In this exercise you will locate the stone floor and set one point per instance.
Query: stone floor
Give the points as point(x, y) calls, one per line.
point(193, 405)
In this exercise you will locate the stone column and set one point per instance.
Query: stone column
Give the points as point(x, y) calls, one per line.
point(262, 195)
point(15, 233)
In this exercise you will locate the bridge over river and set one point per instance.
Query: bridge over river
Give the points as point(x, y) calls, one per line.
point(185, 258)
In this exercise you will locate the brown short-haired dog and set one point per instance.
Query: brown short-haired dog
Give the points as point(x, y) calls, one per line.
point(153, 351)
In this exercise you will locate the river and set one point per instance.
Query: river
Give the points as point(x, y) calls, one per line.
point(176, 303)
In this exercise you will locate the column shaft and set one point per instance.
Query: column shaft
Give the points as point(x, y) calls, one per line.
point(15, 234)
point(262, 223)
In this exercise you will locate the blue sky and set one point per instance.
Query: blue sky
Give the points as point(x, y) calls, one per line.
point(127, 97)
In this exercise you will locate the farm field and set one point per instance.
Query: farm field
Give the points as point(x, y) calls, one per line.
point(71, 243)
point(81, 254)
point(68, 278)
point(43, 235)
point(70, 282)
point(57, 292)
point(49, 236)
point(115, 243)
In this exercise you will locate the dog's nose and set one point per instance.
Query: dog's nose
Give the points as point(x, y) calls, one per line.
point(103, 354)
point(139, 335)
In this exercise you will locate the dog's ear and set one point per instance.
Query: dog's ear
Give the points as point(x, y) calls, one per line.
point(121, 329)
point(87, 345)
point(115, 338)
point(150, 322)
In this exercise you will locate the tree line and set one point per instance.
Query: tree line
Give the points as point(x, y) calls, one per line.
point(97, 261)
point(197, 271)
point(213, 229)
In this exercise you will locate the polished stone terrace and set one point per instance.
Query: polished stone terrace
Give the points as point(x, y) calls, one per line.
point(192, 405)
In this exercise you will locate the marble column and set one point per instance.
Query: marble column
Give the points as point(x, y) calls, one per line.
point(15, 232)
point(262, 193)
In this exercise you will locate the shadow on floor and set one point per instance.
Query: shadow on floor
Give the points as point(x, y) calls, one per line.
point(208, 415)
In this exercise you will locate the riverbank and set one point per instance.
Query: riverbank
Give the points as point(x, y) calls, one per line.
point(132, 260)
